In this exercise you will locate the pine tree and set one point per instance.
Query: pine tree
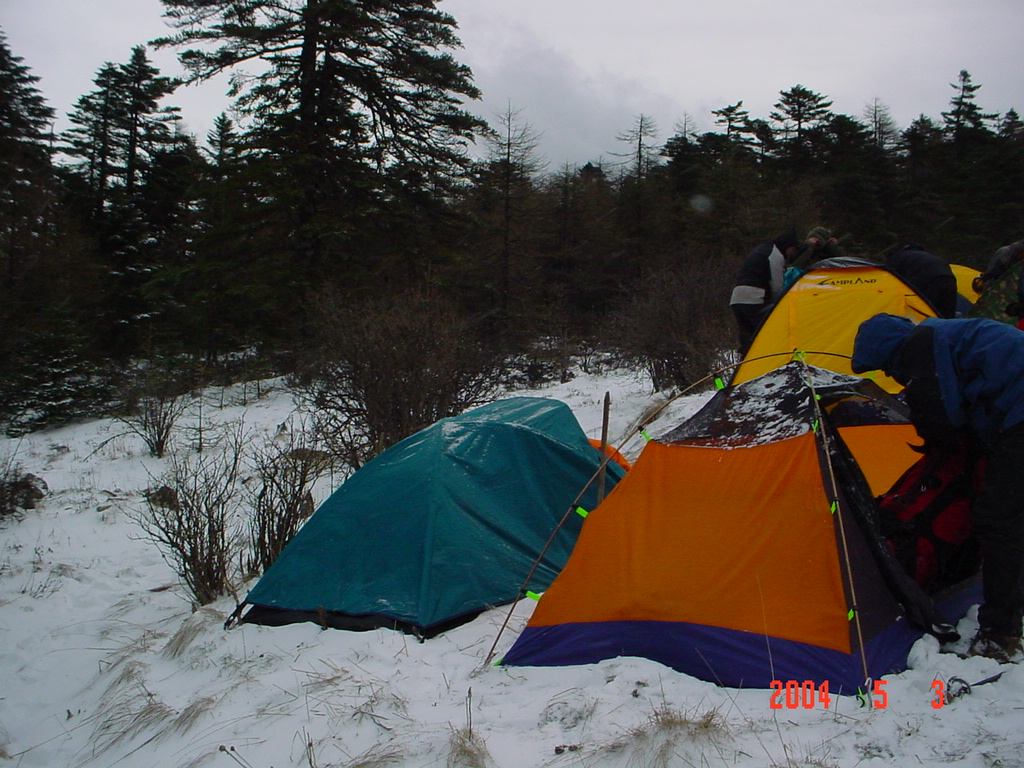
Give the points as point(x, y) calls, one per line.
point(120, 152)
point(509, 173)
point(684, 159)
point(636, 187)
point(965, 123)
point(800, 114)
point(225, 291)
point(26, 174)
point(884, 131)
point(762, 137)
point(44, 281)
point(580, 273)
point(118, 128)
point(148, 127)
point(1011, 126)
point(857, 189)
point(356, 104)
point(734, 118)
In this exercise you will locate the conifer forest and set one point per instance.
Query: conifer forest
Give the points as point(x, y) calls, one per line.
point(353, 225)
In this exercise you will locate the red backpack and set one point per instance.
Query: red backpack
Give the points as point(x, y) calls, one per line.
point(926, 517)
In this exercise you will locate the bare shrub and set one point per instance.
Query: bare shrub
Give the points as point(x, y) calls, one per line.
point(281, 498)
point(152, 406)
point(389, 367)
point(671, 737)
point(10, 471)
point(542, 361)
point(378, 756)
point(19, 490)
point(189, 518)
point(466, 749)
point(675, 324)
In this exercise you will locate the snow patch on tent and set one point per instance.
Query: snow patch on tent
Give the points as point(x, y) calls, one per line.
point(772, 407)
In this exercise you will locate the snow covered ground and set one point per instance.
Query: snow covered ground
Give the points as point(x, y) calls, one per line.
point(104, 663)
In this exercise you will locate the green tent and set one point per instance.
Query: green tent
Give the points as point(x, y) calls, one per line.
point(440, 526)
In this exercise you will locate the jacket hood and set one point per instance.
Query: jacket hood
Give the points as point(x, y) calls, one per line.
point(787, 239)
point(878, 343)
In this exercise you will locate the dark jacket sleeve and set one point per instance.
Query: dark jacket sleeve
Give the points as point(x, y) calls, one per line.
point(923, 394)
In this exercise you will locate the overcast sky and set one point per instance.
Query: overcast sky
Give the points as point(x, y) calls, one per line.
point(581, 71)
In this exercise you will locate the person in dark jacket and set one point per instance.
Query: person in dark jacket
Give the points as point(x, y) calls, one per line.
point(964, 379)
point(771, 268)
point(927, 274)
point(759, 283)
point(1003, 260)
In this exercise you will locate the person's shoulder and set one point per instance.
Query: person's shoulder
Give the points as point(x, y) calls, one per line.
point(975, 329)
point(762, 249)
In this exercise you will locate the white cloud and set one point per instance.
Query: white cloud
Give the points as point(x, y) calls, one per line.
point(582, 70)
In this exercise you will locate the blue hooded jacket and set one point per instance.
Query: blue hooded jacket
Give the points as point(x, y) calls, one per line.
point(979, 365)
point(878, 344)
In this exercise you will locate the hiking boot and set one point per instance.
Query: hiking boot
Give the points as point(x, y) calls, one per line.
point(1006, 649)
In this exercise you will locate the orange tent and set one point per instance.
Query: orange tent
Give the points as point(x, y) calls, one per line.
point(741, 548)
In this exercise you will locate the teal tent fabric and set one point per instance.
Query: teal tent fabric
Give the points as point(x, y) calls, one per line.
point(440, 526)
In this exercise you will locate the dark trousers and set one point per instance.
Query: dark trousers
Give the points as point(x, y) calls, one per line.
point(941, 292)
point(748, 319)
point(998, 520)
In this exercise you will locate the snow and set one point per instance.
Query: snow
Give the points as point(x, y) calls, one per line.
point(104, 662)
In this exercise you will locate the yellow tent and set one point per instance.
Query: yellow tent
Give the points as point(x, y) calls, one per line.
point(965, 281)
point(819, 316)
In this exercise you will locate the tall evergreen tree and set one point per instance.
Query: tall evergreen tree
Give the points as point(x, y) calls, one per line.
point(857, 189)
point(354, 103)
point(44, 281)
point(121, 148)
point(800, 113)
point(149, 128)
point(228, 297)
point(734, 118)
point(683, 158)
point(762, 137)
point(118, 128)
point(966, 124)
point(1011, 126)
point(582, 263)
point(26, 175)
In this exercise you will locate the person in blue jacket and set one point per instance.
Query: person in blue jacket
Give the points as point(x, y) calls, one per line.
point(964, 379)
